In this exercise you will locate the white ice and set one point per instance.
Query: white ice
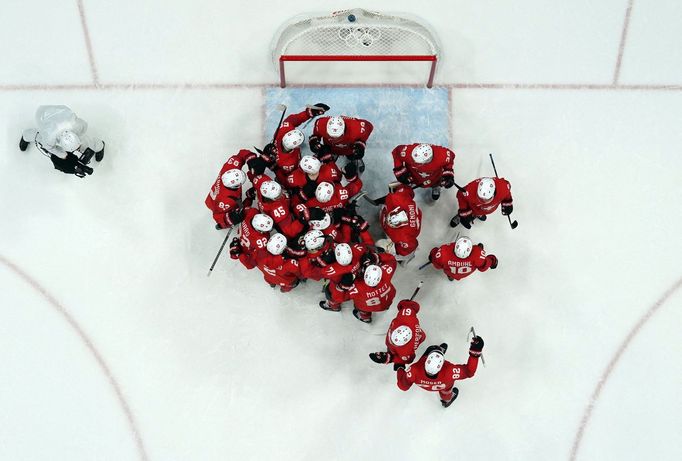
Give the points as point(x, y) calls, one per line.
point(224, 367)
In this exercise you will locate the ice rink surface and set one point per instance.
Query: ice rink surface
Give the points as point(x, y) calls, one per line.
point(116, 346)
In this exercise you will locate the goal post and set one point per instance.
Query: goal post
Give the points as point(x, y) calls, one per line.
point(355, 35)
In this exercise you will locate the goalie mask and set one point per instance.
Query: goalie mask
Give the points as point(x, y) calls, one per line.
point(292, 139)
point(397, 219)
point(233, 179)
point(463, 247)
point(486, 189)
point(401, 335)
point(335, 127)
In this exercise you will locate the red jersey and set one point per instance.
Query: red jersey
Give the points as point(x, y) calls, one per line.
point(340, 198)
point(286, 162)
point(356, 131)
point(405, 236)
point(380, 297)
point(428, 174)
point(250, 239)
point(470, 203)
point(277, 270)
point(443, 381)
point(407, 316)
point(221, 200)
point(279, 210)
point(334, 271)
point(444, 258)
point(329, 172)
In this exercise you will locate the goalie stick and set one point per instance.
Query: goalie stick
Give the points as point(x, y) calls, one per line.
point(473, 332)
point(210, 271)
point(514, 224)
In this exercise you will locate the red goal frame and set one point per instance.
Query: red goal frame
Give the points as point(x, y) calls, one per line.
point(300, 57)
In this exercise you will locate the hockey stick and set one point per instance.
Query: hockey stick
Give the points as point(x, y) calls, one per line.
point(219, 251)
point(473, 332)
point(514, 224)
point(424, 265)
point(283, 108)
point(416, 290)
point(382, 200)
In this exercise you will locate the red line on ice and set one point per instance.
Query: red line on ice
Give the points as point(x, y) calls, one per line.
point(623, 38)
point(88, 42)
point(606, 374)
point(88, 344)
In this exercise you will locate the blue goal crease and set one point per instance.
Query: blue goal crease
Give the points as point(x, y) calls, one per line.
point(399, 115)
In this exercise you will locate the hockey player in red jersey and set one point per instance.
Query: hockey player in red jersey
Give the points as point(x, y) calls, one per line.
point(480, 198)
point(424, 165)
point(320, 253)
point(329, 197)
point(461, 259)
point(403, 337)
point(273, 201)
point(401, 220)
point(433, 373)
point(278, 270)
point(309, 174)
point(341, 273)
point(224, 199)
point(283, 156)
point(374, 292)
point(340, 135)
point(254, 233)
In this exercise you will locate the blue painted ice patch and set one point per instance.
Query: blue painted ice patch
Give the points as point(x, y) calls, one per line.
point(400, 115)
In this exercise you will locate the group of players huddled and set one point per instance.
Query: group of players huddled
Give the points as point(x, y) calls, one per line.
point(299, 221)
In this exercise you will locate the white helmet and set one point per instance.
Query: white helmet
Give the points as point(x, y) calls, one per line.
point(335, 127)
point(397, 219)
point(271, 190)
point(314, 240)
point(262, 222)
point(321, 224)
point(310, 164)
point(434, 362)
point(343, 253)
point(233, 178)
point(277, 244)
point(486, 189)
point(401, 335)
point(69, 141)
point(463, 247)
point(373, 275)
point(292, 139)
point(423, 153)
point(324, 192)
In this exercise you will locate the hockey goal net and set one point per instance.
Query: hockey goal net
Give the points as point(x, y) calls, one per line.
point(355, 35)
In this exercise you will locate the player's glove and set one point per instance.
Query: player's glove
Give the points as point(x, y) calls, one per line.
point(476, 346)
point(359, 223)
point(380, 357)
point(251, 193)
point(358, 151)
point(338, 214)
point(369, 258)
point(318, 109)
point(328, 256)
point(350, 171)
point(235, 248)
point(235, 216)
point(448, 182)
point(315, 144)
point(316, 213)
point(309, 190)
point(507, 209)
point(493, 261)
point(269, 154)
point(346, 282)
point(466, 220)
point(257, 165)
point(402, 175)
point(480, 245)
